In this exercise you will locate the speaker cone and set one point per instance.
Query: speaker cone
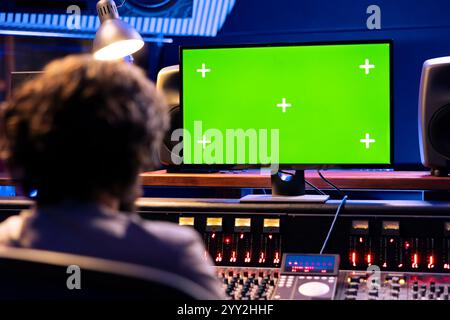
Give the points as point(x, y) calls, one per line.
point(439, 131)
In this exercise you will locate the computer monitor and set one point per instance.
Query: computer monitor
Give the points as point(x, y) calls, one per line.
point(296, 105)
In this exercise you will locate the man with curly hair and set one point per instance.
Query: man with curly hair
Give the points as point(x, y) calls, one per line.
point(79, 134)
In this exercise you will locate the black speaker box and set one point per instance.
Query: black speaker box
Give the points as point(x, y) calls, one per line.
point(434, 115)
point(168, 83)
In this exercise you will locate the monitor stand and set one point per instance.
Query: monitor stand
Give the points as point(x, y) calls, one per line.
point(287, 188)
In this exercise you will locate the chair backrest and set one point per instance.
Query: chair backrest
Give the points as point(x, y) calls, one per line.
point(41, 275)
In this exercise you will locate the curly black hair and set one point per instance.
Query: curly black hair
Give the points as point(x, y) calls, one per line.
point(82, 128)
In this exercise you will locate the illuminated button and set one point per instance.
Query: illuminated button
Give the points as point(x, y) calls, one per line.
point(301, 277)
point(316, 278)
point(314, 289)
point(324, 278)
point(309, 277)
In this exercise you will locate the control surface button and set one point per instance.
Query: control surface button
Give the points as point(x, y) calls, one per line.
point(351, 292)
point(373, 293)
point(432, 287)
point(353, 285)
point(395, 287)
point(313, 289)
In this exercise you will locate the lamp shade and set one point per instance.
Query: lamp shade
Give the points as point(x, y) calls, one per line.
point(115, 39)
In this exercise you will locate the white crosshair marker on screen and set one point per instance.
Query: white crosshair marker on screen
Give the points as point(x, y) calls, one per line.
point(367, 141)
point(203, 70)
point(204, 141)
point(284, 105)
point(367, 66)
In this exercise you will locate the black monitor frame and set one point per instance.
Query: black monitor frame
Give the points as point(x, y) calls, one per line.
point(216, 167)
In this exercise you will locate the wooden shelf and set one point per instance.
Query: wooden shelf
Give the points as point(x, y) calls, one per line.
point(394, 180)
point(390, 180)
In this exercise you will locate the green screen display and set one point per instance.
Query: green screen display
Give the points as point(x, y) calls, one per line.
point(303, 104)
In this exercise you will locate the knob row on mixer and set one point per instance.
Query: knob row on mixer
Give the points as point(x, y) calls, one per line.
point(385, 286)
point(248, 284)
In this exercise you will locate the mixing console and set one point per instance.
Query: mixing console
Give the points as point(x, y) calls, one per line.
point(269, 283)
point(378, 250)
point(296, 281)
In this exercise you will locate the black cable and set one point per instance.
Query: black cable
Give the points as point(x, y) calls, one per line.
point(343, 201)
point(341, 193)
point(315, 188)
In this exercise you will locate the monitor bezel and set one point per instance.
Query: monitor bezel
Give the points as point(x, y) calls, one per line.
point(298, 166)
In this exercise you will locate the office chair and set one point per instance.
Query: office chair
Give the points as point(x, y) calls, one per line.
point(43, 275)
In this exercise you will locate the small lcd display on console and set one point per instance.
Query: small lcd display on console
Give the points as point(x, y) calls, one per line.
point(310, 263)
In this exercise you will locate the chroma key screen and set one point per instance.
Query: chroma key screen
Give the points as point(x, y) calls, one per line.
point(323, 103)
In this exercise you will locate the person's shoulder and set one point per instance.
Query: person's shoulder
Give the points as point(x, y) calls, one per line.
point(168, 231)
point(11, 228)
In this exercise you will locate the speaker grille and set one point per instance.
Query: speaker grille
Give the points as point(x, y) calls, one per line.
point(439, 131)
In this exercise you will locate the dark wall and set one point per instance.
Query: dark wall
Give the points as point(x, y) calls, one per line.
point(420, 30)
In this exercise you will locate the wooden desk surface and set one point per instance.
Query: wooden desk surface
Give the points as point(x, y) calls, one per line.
point(394, 180)
point(398, 180)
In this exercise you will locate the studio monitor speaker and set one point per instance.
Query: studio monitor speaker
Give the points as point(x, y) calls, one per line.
point(434, 115)
point(168, 83)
